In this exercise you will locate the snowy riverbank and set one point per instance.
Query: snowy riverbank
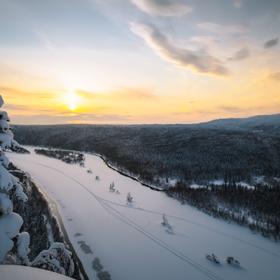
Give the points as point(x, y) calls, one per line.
point(129, 239)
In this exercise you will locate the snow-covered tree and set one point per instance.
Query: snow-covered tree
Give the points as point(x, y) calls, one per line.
point(14, 246)
point(129, 198)
point(164, 220)
point(166, 224)
point(57, 259)
point(112, 187)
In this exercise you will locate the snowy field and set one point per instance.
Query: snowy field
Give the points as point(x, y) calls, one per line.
point(130, 240)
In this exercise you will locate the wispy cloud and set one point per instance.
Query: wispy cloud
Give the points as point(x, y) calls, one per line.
point(231, 109)
point(271, 43)
point(201, 61)
point(238, 3)
point(120, 93)
point(133, 93)
point(275, 76)
point(17, 107)
point(44, 38)
point(163, 7)
point(240, 54)
point(222, 29)
point(15, 93)
point(74, 118)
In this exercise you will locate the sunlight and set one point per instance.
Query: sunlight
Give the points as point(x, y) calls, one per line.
point(72, 100)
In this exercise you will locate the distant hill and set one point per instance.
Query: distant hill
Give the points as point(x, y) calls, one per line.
point(229, 149)
point(255, 122)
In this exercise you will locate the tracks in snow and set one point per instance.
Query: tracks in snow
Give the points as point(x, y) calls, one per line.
point(116, 214)
point(107, 205)
point(161, 213)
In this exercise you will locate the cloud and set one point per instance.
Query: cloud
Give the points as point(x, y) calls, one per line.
point(238, 4)
point(222, 29)
point(231, 109)
point(16, 107)
point(165, 8)
point(44, 38)
point(134, 93)
point(74, 119)
point(200, 61)
point(125, 93)
point(240, 55)
point(271, 43)
point(275, 76)
point(15, 93)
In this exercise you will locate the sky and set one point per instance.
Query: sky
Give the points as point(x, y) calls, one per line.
point(138, 61)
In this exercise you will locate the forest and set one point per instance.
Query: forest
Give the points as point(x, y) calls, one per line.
point(232, 150)
point(256, 208)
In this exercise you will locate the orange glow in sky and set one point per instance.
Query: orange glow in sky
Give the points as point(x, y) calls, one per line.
point(136, 62)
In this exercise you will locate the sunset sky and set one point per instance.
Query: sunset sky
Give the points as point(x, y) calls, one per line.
point(138, 61)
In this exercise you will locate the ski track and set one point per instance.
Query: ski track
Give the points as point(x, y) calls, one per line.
point(127, 221)
point(112, 208)
point(98, 198)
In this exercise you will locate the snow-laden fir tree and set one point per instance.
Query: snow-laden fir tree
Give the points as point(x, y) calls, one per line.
point(57, 259)
point(164, 220)
point(129, 198)
point(14, 245)
point(166, 224)
point(112, 187)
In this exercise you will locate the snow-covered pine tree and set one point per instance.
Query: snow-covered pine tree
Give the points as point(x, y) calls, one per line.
point(57, 259)
point(164, 220)
point(14, 246)
point(112, 187)
point(129, 198)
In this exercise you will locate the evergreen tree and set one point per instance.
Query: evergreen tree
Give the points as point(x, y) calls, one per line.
point(14, 246)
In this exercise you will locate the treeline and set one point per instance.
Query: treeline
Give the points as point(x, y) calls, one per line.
point(256, 208)
point(70, 157)
point(157, 153)
point(188, 153)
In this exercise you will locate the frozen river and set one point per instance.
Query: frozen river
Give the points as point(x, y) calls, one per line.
point(129, 239)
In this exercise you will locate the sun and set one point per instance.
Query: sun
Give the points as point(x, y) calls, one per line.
point(72, 100)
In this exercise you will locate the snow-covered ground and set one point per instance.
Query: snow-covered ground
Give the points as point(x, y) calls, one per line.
point(130, 240)
point(18, 272)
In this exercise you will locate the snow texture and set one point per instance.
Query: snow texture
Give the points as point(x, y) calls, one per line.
point(6, 205)
point(23, 242)
point(17, 272)
point(130, 240)
point(10, 225)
